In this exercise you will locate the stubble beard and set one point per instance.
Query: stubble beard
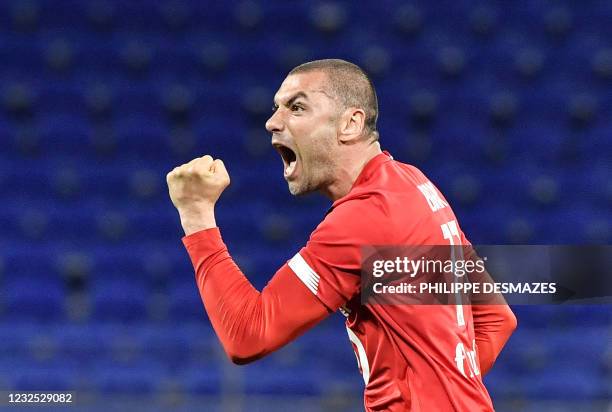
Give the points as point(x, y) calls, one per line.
point(318, 166)
point(318, 175)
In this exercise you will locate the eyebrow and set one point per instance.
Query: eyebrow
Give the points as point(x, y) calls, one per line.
point(293, 99)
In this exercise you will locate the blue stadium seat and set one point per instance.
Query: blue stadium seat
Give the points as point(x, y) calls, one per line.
point(565, 383)
point(282, 382)
point(185, 302)
point(140, 379)
point(119, 299)
point(201, 379)
point(25, 299)
point(57, 378)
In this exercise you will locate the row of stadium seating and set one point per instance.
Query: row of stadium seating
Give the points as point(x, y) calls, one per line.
point(145, 358)
point(120, 227)
point(174, 17)
point(499, 101)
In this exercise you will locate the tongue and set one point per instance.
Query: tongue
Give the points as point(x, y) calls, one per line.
point(290, 168)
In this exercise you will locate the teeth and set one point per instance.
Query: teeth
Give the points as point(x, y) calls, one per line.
point(290, 168)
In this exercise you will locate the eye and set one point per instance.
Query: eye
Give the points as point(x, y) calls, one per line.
point(297, 108)
point(274, 108)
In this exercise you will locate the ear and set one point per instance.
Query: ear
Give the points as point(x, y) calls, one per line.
point(352, 125)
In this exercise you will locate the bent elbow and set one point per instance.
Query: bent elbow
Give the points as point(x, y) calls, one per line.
point(511, 321)
point(237, 359)
point(243, 355)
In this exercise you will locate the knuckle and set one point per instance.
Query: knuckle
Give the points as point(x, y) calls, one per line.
point(206, 160)
point(202, 159)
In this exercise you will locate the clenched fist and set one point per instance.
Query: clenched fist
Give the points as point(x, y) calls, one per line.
point(194, 190)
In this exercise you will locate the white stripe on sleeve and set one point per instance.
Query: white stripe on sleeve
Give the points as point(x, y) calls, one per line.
point(304, 272)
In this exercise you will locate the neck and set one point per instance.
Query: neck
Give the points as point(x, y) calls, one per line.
point(349, 169)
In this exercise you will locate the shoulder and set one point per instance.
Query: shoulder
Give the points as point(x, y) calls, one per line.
point(388, 206)
point(358, 219)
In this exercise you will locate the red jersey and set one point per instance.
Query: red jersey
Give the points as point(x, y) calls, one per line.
point(412, 357)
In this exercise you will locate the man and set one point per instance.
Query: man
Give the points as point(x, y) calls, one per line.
point(412, 357)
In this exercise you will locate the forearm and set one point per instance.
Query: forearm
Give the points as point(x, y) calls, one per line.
point(493, 325)
point(494, 322)
point(234, 307)
point(195, 219)
point(249, 324)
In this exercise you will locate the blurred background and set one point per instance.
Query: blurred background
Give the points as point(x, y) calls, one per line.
point(506, 106)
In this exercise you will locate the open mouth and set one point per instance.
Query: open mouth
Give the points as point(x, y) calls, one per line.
point(289, 158)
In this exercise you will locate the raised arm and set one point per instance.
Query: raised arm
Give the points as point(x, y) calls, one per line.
point(249, 324)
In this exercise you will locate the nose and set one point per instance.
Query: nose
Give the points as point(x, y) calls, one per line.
point(274, 123)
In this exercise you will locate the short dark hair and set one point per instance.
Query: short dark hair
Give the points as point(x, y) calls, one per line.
point(350, 84)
